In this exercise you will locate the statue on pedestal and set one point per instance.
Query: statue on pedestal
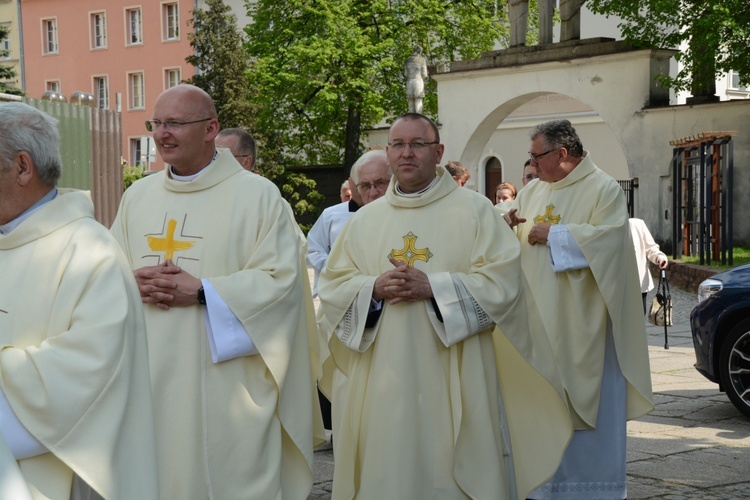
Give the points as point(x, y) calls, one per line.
point(415, 72)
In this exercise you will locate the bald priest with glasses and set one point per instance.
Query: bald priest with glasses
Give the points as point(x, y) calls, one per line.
point(217, 261)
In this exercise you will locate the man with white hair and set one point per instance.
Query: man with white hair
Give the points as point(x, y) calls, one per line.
point(332, 220)
point(75, 400)
point(370, 176)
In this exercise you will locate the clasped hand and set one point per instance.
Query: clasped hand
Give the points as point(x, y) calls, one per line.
point(167, 285)
point(403, 283)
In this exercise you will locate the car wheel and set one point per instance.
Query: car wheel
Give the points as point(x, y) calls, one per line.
point(734, 366)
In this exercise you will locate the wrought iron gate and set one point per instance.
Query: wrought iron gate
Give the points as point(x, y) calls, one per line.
point(702, 203)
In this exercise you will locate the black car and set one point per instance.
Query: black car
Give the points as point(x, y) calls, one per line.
point(721, 333)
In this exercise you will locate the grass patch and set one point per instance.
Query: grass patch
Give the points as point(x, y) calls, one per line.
point(741, 255)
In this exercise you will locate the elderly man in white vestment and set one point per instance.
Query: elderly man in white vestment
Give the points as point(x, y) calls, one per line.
point(374, 166)
point(329, 224)
point(75, 399)
point(217, 261)
point(409, 300)
point(578, 258)
point(370, 176)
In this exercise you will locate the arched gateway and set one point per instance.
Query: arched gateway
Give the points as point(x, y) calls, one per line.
point(613, 98)
point(608, 82)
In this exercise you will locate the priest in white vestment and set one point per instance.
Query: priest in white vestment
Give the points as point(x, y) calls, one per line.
point(578, 258)
point(217, 259)
point(409, 300)
point(75, 398)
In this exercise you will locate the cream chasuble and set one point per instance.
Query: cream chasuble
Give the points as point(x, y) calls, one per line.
point(74, 364)
point(240, 428)
point(575, 304)
point(12, 483)
point(417, 405)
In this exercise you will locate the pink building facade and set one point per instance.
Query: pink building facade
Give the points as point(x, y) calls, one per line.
point(124, 53)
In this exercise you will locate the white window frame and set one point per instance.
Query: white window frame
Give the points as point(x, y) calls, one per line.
point(731, 85)
point(170, 21)
point(135, 151)
point(169, 73)
point(133, 34)
point(5, 44)
point(50, 38)
point(98, 29)
point(101, 94)
point(136, 91)
point(52, 85)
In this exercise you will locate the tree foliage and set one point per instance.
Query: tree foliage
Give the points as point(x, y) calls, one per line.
point(130, 174)
point(221, 70)
point(6, 72)
point(221, 65)
point(716, 34)
point(324, 70)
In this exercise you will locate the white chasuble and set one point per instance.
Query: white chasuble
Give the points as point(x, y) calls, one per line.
point(575, 304)
point(74, 365)
point(241, 428)
point(418, 410)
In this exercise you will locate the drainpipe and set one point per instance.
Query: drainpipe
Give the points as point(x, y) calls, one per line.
point(20, 48)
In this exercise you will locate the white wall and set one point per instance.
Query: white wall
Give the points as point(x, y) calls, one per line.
point(479, 114)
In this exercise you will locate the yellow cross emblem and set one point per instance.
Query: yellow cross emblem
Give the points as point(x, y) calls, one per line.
point(410, 254)
point(548, 217)
point(168, 244)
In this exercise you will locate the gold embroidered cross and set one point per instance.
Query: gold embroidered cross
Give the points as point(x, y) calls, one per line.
point(168, 244)
point(410, 254)
point(548, 217)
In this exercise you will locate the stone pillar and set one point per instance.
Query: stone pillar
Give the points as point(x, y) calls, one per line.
point(570, 17)
point(546, 14)
point(518, 13)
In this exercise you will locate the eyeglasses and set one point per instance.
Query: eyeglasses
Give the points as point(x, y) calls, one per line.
point(241, 156)
point(535, 158)
point(168, 125)
point(415, 146)
point(380, 184)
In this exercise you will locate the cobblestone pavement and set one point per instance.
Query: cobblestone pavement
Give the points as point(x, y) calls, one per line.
point(694, 446)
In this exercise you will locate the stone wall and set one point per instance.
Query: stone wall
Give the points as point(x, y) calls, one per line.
point(685, 276)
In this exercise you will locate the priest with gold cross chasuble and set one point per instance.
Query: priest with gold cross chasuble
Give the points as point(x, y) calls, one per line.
point(434, 405)
point(228, 345)
point(577, 256)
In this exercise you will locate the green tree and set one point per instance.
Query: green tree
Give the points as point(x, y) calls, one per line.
point(221, 65)
point(325, 70)
point(6, 72)
point(221, 70)
point(716, 34)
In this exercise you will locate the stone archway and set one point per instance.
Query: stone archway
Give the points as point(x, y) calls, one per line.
point(618, 82)
point(612, 78)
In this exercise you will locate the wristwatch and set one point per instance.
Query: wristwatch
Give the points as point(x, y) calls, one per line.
point(201, 296)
